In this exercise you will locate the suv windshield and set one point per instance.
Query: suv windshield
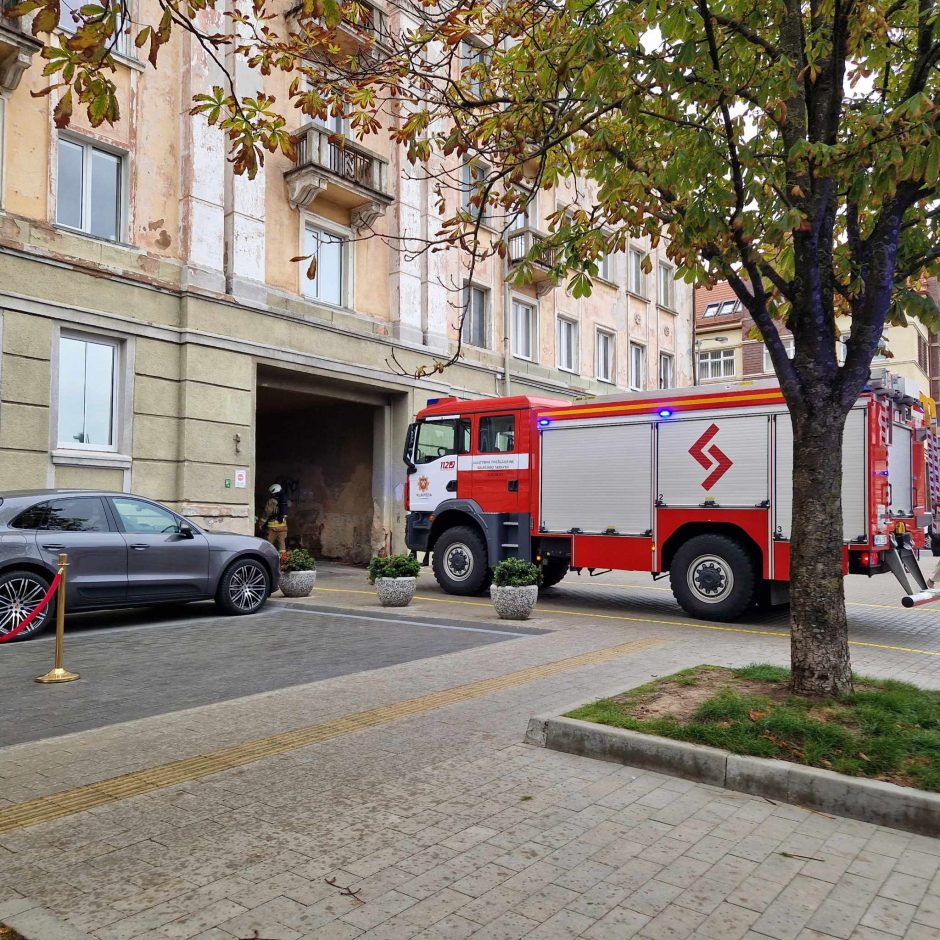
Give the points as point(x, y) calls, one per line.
point(440, 438)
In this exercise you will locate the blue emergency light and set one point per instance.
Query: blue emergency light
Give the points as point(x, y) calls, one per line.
point(432, 401)
point(544, 422)
point(665, 413)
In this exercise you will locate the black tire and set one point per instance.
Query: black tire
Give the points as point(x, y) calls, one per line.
point(20, 591)
point(714, 577)
point(244, 587)
point(460, 561)
point(553, 572)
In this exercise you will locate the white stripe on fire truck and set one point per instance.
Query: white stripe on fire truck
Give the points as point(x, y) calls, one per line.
point(493, 462)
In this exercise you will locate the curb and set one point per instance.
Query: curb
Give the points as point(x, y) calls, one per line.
point(873, 801)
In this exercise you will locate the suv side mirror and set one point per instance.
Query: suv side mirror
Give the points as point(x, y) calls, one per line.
point(187, 532)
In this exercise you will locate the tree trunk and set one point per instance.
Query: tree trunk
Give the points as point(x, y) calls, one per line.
point(819, 647)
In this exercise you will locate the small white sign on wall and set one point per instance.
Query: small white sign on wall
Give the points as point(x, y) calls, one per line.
point(241, 479)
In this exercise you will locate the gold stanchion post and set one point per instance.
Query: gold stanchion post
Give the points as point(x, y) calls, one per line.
point(58, 673)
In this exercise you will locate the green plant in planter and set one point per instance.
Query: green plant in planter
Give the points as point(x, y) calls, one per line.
point(516, 572)
point(298, 559)
point(393, 566)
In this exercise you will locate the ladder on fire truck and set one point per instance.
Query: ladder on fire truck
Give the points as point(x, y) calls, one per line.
point(901, 560)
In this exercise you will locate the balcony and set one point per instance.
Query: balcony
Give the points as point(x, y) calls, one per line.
point(526, 244)
point(341, 171)
point(17, 47)
point(352, 34)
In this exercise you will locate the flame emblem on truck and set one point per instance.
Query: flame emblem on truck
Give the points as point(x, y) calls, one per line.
point(713, 459)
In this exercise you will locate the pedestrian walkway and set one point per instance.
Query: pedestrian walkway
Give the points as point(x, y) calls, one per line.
point(429, 818)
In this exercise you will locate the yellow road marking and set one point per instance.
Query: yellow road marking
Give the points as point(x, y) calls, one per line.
point(685, 624)
point(68, 802)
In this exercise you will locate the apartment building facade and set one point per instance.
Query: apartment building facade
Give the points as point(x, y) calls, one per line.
point(157, 337)
point(728, 345)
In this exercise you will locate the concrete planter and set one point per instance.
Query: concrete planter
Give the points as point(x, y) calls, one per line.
point(396, 592)
point(297, 583)
point(514, 603)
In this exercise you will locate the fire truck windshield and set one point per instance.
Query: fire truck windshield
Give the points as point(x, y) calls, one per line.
point(440, 438)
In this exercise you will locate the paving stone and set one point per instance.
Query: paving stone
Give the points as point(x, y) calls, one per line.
point(889, 916)
point(674, 923)
point(618, 924)
point(726, 922)
point(508, 926)
point(653, 898)
point(907, 888)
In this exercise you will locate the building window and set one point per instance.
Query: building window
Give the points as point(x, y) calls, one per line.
point(523, 330)
point(667, 372)
point(922, 354)
point(472, 54)
point(89, 189)
point(88, 370)
point(328, 250)
point(70, 22)
point(637, 366)
point(476, 308)
point(723, 308)
point(604, 356)
point(604, 267)
point(526, 216)
point(636, 280)
point(716, 364)
point(567, 345)
point(667, 285)
point(788, 345)
point(473, 180)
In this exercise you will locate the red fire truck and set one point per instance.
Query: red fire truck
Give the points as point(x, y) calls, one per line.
point(691, 482)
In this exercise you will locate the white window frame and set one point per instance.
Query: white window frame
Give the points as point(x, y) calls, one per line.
point(610, 375)
point(526, 218)
point(664, 358)
point(89, 144)
point(467, 311)
point(533, 327)
point(471, 52)
point(117, 403)
point(605, 267)
point(788, 345)
point(347, 259)
point(720, 357)
point(575, 363)
point(636, 276)
point(666, 295)
point(638, 386)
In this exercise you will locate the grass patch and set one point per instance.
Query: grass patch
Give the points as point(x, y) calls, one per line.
point(884, 730)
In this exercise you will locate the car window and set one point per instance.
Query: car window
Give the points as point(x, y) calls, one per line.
point(76, 514)
point(30, 518)
point(442, 438)
point(140, 517)
point(498, 435)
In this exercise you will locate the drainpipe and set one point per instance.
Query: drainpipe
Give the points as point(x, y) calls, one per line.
point(507, 331)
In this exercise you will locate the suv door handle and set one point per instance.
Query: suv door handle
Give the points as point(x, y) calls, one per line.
point(53, 547)
point(139, 547)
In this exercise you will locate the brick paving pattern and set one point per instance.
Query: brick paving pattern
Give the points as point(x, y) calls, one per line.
point(442, 824)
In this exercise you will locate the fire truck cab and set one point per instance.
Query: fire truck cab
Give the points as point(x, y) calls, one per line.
point(694, 483)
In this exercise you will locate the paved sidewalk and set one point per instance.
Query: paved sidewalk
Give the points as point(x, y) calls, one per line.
point(440, 821)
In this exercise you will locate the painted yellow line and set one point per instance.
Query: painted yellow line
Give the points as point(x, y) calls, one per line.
point(684, 624)
point(935, 611)
point(78, 800)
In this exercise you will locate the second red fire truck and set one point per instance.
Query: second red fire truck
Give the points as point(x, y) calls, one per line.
point(694, 482)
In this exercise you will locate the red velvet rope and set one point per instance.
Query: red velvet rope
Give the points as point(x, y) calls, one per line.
point(40, 607)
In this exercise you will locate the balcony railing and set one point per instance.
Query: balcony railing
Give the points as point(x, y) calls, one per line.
point(371, 24)
point(521, 243)
point(321, 148)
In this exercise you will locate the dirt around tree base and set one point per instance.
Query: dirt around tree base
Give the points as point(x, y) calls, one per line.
point(8, 933)
point(883, 730)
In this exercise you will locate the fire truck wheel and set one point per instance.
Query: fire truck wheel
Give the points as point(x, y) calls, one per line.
point(553, 573)
point(713, 577)
point(460, 562)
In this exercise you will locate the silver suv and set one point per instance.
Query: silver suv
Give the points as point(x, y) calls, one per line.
point(124, 551)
